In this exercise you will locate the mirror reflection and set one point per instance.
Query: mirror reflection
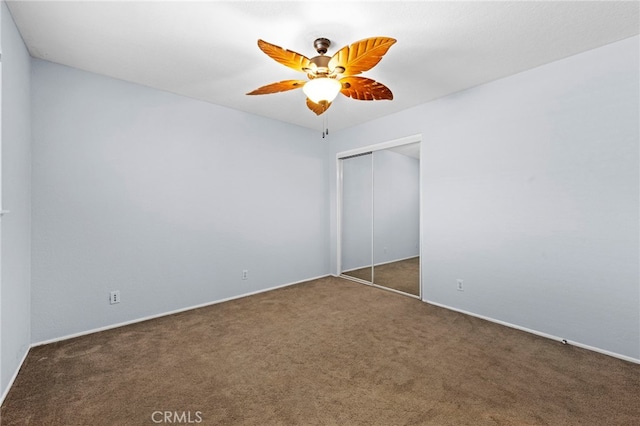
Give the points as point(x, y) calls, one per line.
point(396, 226)
point(381, 218)
point(357, 217)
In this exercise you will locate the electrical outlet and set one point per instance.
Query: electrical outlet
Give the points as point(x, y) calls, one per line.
point(460, 284)
point(245, 274)
point(114, 297)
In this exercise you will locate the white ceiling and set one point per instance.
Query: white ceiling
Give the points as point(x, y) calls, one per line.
point(207, 49)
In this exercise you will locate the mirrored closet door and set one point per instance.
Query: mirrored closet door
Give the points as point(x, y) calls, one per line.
point(357, 217)
point(380, 219)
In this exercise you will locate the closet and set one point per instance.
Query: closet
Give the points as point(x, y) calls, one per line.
point(380, 217)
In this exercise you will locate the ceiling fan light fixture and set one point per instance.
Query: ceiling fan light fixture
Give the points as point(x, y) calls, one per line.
point(322, 89)
point(330, 75)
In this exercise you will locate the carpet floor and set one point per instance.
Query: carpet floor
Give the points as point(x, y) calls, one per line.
point(403, 275)
point(325, 352)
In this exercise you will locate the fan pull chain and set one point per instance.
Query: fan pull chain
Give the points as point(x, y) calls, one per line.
point(325, 125)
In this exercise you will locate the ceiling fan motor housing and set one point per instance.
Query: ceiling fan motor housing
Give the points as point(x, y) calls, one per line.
point(321, 65)
point(322, 62)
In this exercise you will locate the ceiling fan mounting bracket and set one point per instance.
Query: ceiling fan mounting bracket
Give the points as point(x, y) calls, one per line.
point(322, 45)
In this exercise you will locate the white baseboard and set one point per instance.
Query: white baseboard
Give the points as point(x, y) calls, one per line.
point(381, 263)
point(13, 378)
point(108, 327)
point(504, 323)
point(396, 260)
point(150, 317)
point(539, 333)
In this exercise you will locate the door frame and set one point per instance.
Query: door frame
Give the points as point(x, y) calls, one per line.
point(417, 138)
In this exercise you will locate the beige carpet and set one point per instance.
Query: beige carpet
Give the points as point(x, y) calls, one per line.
point(403, 275)
point(327, 352)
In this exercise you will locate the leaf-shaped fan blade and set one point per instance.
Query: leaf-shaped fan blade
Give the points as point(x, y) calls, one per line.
point(318, 108)
point(361, 55)
point(364, 89)
point(281, 86)
point(288, 58)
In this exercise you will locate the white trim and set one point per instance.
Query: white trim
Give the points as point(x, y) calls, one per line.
point(15, 375)
point(396, 260)
point(378, 286)
point(421, 172)
point(372, 237)
point(122, 324)
point(339, 215)
point(539, 333)
point(358, 280)
point(393, 290)
point(356, 268)
point(381, 263)
point(215, 302)
point(504, 323)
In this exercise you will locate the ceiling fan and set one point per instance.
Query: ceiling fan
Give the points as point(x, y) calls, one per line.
point(329, 76)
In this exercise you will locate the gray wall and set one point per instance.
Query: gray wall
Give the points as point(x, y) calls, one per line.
point(164, 198)
point(531, 195)
point(15, 180)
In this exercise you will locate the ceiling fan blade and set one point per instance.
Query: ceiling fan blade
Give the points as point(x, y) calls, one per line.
point(281, 86)
point(318, 108)
point(361, 55)
point(364, 89)
point(287, 58)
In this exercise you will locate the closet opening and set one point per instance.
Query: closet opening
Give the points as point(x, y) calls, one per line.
point(379, 232)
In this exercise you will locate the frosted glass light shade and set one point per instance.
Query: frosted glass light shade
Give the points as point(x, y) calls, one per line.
point(322, 89)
